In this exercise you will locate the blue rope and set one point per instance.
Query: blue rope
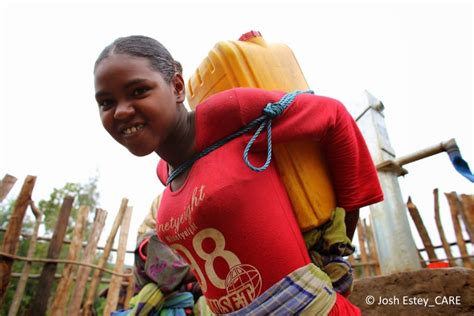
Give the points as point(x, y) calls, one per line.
point(271, 111)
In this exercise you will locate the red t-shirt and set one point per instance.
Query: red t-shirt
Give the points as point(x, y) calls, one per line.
point(234, 226)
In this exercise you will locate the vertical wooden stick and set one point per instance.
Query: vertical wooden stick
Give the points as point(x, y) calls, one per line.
point(58, 307)
point(20, 288)
point(39, 303)
point(103, 260)
point(454, 205)
point(422, 260)
point(467, 214)
point(130, 288)
point(363, 253)
point(425, 237)
point(6, 185)
point(373, 252)
point(116, 281)
point(83, 272)
point(12, 234)
point(439, 225)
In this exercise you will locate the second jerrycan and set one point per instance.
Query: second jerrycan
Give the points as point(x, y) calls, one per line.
point(252, 62)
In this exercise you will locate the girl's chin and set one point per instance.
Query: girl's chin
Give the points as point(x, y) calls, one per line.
point(140, 152)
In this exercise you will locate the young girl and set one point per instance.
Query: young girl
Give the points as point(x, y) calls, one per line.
point(234, 226)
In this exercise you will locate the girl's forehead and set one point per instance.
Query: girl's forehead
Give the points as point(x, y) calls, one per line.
point(124, 60)
point(120, 68)
point(124, 65)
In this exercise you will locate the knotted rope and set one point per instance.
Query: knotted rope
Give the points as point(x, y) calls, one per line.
point(271, 111)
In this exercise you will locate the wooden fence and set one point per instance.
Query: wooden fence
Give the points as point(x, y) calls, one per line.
point(70, 296)
point(461, 207)
point(80, 272)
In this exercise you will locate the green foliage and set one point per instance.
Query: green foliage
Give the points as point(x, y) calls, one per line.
point(5, 212)
point(99, 305)
point(6, 209)
point(84, 194)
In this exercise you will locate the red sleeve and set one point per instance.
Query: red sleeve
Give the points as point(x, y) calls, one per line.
point(328, 122)
point(162, 171)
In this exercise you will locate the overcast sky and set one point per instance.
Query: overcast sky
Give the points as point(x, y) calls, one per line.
point(415, 57)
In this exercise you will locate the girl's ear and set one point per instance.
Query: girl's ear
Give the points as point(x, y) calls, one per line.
point(179, 87)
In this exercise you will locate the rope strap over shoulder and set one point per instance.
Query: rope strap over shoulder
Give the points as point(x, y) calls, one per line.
point(271, 111)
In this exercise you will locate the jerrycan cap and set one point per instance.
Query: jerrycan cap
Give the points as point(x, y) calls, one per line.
point(249, 35)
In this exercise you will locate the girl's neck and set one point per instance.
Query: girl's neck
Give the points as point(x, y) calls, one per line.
point(180, 144)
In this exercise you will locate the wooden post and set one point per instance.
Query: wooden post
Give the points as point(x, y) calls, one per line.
point(468, 202)
point(439, 225)
point(20, 288)
point(454, 206)
point(422, 260)
point(363, 253)
point(39, 303)
point(6, 185)
point(83, 272)
point(130, 288)
point(372, 249)
point(425, 237)
point(103, 260)
point(116, 282)
point(58, 307)
point(12, 234)
point(467, 215)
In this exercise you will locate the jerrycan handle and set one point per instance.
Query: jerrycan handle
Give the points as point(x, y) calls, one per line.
point(254, 37)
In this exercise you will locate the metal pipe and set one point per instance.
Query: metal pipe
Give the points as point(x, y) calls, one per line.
point(427, 152)
point(397, 163)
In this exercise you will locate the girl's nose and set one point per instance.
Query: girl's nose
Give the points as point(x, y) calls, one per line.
point(124, 110)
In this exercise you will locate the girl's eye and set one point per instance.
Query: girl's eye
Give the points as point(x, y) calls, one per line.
point(105, 104)
point(140, 91)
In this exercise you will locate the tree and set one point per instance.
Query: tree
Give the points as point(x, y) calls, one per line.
point(84, 194)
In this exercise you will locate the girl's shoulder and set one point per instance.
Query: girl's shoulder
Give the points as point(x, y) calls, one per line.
point(240, 97)
point(239, 104)
point(226, 112)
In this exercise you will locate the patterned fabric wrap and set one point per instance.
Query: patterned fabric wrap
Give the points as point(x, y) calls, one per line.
point(327, 245)
point(304, 287)
point(150, 301)
point(176, 303)
point(201, 308)
point(162, 266)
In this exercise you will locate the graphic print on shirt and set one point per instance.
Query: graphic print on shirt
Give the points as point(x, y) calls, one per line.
point(173, 225)
point(243, 282)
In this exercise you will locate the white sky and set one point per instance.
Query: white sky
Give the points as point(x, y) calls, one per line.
point(416, 58)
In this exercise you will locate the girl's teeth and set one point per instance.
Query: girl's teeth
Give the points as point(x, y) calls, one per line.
point(132, 129)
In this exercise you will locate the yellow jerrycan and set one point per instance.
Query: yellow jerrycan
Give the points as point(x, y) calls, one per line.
point(252, 62)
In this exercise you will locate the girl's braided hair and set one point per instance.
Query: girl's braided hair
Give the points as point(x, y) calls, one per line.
point(142, 46)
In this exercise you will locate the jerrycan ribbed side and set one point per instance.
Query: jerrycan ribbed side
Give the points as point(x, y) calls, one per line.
point(252, 62)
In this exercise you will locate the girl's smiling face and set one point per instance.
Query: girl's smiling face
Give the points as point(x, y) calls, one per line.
point(138, 108)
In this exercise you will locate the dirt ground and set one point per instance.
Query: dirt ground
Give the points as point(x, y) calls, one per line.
point(447, 291)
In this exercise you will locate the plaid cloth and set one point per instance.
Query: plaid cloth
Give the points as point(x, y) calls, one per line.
point(151, 302)
point(340, 272)
point(305, 287)
point(327, 245)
